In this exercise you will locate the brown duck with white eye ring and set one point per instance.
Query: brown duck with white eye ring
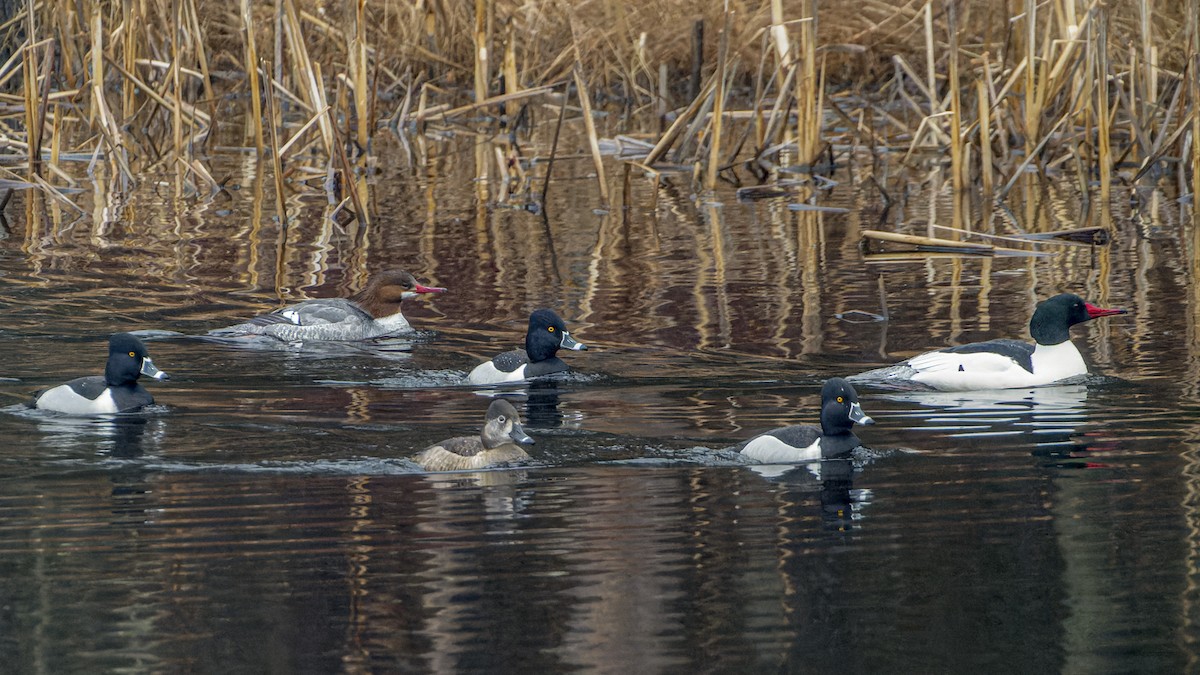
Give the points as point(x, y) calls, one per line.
point(371, 313)
point(499, 443)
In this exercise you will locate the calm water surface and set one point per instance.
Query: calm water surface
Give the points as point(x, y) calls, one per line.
point(264, 516)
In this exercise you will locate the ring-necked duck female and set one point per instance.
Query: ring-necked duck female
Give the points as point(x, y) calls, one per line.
point(805, 442)
point(117, 391)
point(371, 313)
point(546, 335)
point(498, 443)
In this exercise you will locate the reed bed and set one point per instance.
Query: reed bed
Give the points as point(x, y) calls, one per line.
point(743, 92)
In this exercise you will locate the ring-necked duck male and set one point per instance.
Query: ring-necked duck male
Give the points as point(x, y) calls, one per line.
point(117, 391)
point(546, 335)
point(805, 442)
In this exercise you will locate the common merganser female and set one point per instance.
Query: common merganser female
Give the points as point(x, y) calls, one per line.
point(116, 391)
point(371, 313)
point(499, 443)
point(546, 335)
point(1004, 364)
point(806, 442)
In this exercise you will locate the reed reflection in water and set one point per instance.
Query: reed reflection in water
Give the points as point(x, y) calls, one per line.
point(267, 516)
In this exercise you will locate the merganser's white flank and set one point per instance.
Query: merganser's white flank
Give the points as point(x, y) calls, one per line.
point(499, 443)
point(1005, 364)
point(805, 443)
point(373, 312)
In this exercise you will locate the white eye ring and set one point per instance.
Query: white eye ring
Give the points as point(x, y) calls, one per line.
point(501, 419)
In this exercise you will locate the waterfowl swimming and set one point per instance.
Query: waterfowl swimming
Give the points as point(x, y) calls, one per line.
point(546, 335)
point(807, 442)
point(498, 443)
point(114, 392)
point(371, 313)
point(1004, 364)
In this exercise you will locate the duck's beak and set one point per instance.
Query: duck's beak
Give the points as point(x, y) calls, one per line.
point(428, 289)
point(150, 370)
point(518, 434)
point(1095, 312)
point(857, 415)
point(571, 343)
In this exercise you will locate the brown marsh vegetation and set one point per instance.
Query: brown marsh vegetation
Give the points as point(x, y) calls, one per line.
point(763, 94)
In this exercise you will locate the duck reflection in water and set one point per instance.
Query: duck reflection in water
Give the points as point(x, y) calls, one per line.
point(126, 436)
point(1054, 415)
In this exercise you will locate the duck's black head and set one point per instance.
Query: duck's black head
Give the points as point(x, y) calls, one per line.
point(839, 408)
point(546, 335)
point(127, 360)
point(1053, 318)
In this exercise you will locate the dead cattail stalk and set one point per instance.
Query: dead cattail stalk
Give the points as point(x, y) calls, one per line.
point(358, 66)
point(276, 156)
point(481, 50)
point(808, 114)
point(1103, 121)
point(252, 65)
point(714, 140)
point(589, 125)
point(957, 165)
point(985, 138)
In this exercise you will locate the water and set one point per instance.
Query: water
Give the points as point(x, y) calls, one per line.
point(264, 516)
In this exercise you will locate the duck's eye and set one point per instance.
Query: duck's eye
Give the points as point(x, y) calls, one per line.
point(550, 328)
point(841, 399)
point(132, 355)
point(501, 419)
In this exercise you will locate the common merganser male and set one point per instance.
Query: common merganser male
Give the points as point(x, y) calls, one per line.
point(116, 391)
point(499, 443)
point(371, 313)
point(546, 335)
point(1004, 364)
point(806, 442)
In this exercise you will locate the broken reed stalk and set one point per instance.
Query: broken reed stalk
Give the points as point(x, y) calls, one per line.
point(957, 165)
point(512, 83)
point(481, 51)
point(176, 108)
point(985, 138)
point(1031, 108)
point(276, 156)
point(348, 183)
point(358, 65)
point(1193, 72)
point(714, 140)
point(306, 72)
point(589, 125)
point(252, 64)
point(1103, 121)
point(808, 117)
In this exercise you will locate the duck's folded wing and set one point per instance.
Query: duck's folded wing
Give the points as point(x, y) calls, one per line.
point(510, 361)
point(454, 454)
point(990, 356)
point(314, 313)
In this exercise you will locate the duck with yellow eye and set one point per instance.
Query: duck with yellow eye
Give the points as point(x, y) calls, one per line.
point(546, 335)
point(116, 392)
point(805, 443)
point(499, 443)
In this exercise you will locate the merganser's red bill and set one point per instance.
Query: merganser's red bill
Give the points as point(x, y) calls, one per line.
point(437, 289)
point(1097, 312)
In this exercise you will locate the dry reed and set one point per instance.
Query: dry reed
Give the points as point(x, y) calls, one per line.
point(1077, 82)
